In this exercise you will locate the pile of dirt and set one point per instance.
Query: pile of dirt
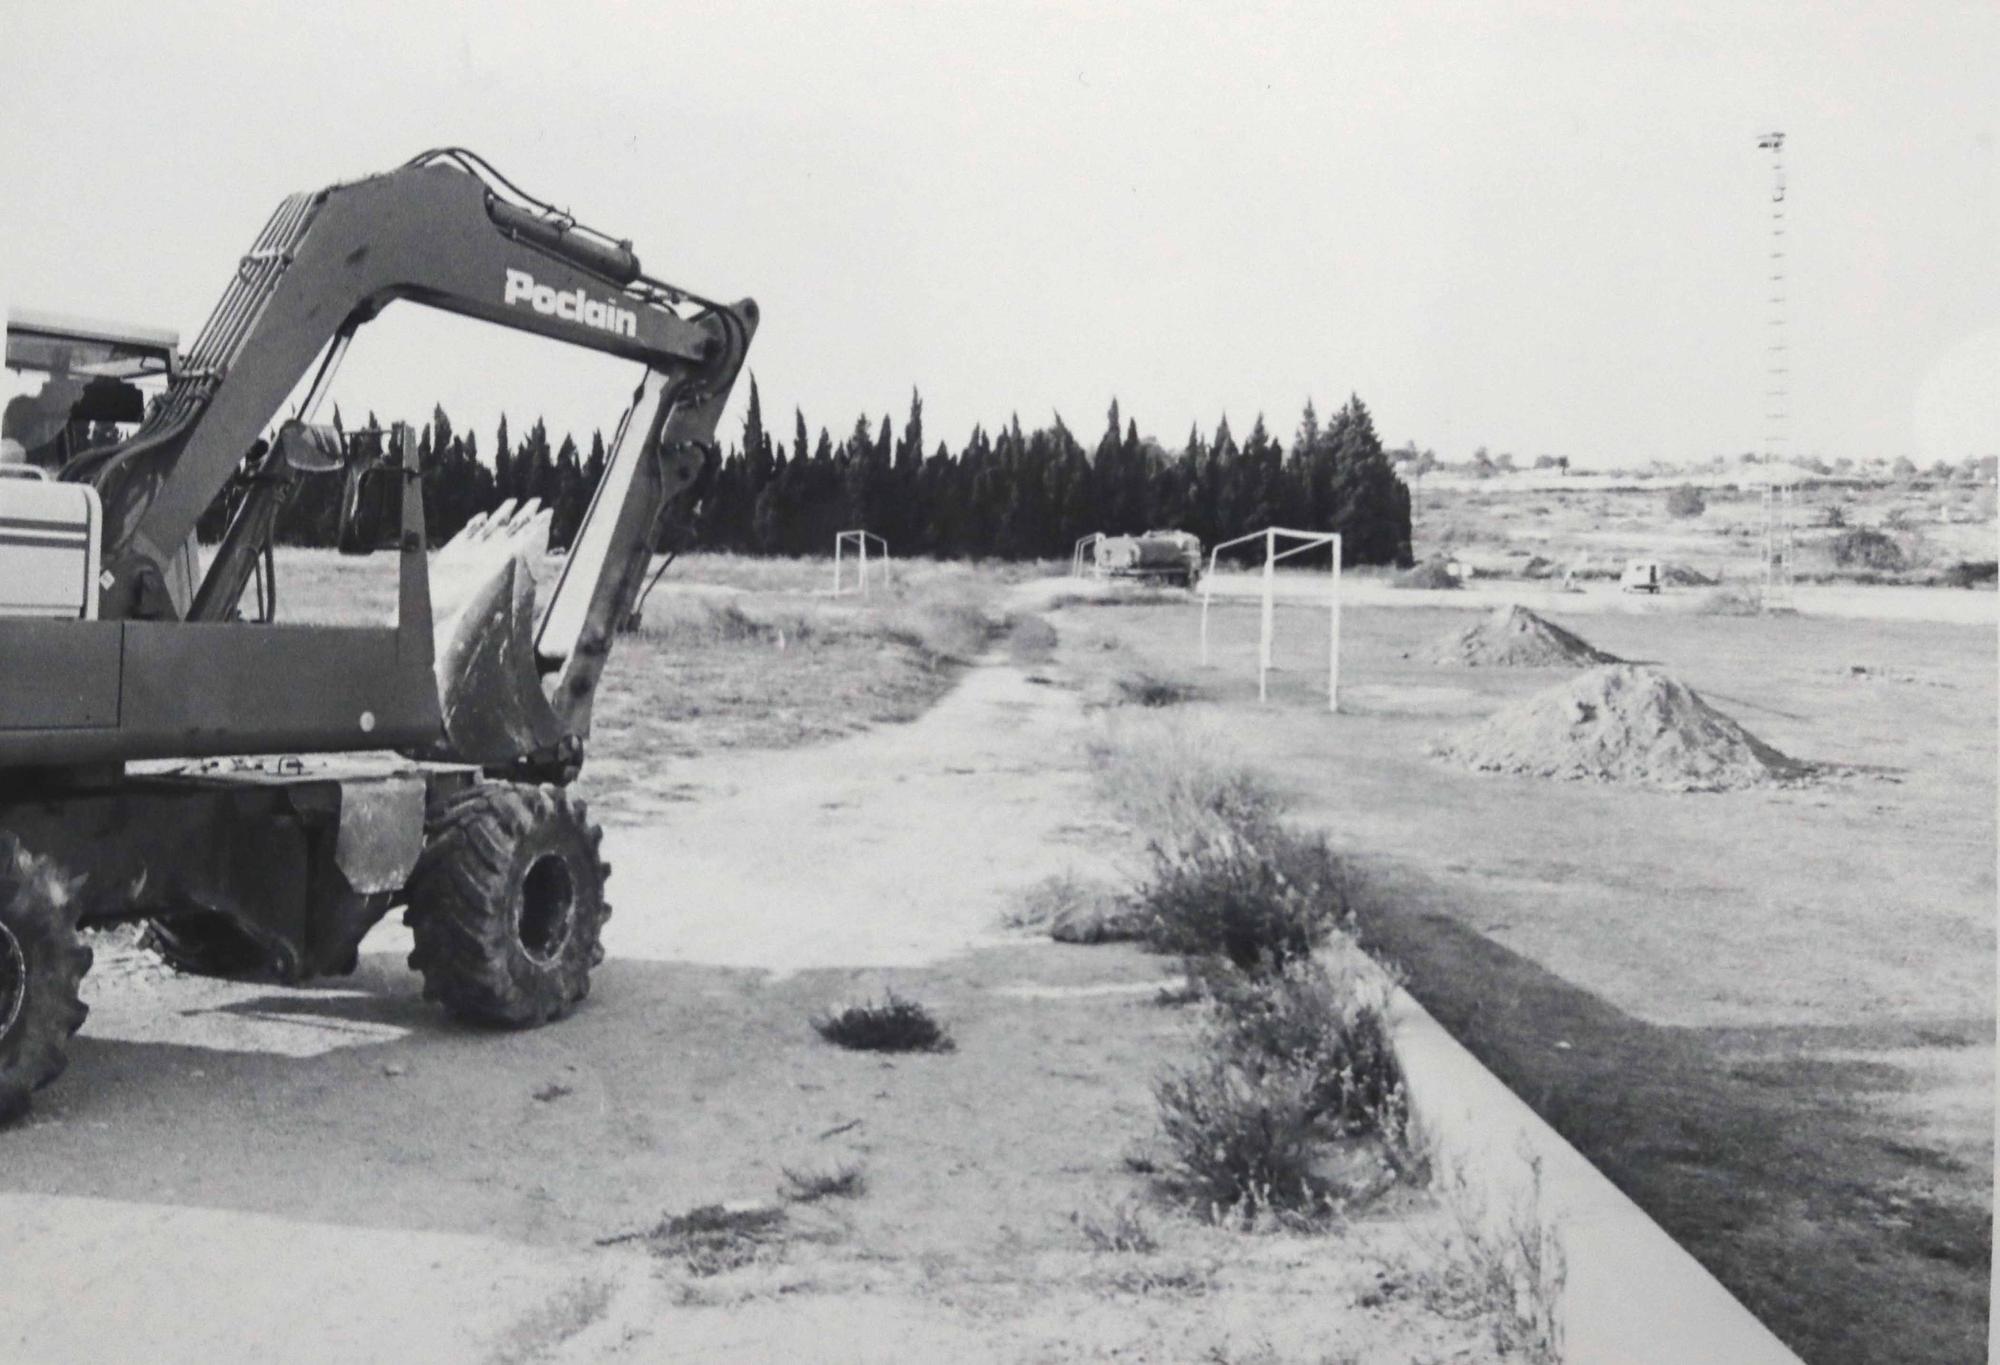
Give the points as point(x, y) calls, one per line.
point(1514, 637)
point(1622, 723)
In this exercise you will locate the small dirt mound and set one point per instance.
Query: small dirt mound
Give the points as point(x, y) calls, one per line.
point(1514, 637)
point(1622, 723)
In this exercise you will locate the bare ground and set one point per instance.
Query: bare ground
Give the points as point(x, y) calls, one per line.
point(1768, 1016)
point(242, 1171)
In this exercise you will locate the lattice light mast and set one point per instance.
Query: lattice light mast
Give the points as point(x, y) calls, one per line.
point(1777, 499)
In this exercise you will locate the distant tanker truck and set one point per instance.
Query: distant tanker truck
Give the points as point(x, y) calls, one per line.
point(1170, 558)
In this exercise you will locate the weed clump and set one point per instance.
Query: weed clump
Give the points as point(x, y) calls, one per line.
point(714, 1238)
point(1236, 1139)
point(1147, 686)
point(1293, 1064)
point(1249, 890)
point(891, 1025)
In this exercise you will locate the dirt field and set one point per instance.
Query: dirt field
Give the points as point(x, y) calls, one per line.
point(1767, 1015)
point(1497, 523)
point(454, 1191)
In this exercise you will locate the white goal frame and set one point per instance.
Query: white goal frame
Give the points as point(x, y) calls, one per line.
point(860, 540)
point(1083, 559)
point(1308, 540)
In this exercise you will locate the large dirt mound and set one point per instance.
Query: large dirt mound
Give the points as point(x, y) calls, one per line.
point(1514, 637)
point(1622, 723)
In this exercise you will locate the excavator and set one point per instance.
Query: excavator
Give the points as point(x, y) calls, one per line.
point(262, 792)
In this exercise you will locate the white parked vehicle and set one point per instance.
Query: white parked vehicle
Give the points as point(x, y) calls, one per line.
point(1641, 575)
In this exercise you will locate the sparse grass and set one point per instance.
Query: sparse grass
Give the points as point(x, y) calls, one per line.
point(1170, 779)
point(1122, 1227)
point(844, 1180)
point(714, 1238)
point(1070, 909)
point(890, 1025)
point(1506, 1266)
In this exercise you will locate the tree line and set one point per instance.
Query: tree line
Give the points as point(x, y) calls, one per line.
point(1006, 494)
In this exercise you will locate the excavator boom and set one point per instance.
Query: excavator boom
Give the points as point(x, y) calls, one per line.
point(513, 687)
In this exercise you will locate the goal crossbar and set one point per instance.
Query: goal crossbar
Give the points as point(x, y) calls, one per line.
point(1308, 540)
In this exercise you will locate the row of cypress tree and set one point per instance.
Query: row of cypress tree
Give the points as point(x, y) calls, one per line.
point(1008, 494)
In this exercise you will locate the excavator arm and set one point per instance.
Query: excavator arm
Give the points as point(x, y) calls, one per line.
point(435, 231)
point(513, 686)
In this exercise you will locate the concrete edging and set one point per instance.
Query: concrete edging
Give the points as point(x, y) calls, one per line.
point(1633, 1295)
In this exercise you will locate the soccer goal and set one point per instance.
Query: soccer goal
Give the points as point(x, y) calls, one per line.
point(858, 542)
point(1299, 543)
point(1083, 559)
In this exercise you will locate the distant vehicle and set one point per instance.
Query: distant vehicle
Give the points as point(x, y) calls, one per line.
point(1172, 558)
point(1641, 575)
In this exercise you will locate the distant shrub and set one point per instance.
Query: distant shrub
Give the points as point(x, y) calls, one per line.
point(1728, 602)
point(1970, 573)
point(1686, 501)
point(893, 1025)
point(1863, 547)
point(1144, 685)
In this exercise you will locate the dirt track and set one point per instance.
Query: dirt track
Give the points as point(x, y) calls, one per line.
point(236, 1171)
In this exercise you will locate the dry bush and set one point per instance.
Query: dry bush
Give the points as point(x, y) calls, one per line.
point(1970, 573)
point(1686, 501)
point(1330, 1027)
point(1863, 547)
point(1248, 890)
point(1237, 1139)
point(890, 1025)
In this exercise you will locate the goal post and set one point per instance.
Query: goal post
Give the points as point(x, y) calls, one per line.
point(1301, 541)
point(858, 542)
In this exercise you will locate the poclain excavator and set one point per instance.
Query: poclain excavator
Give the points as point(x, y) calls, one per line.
point(263, 792)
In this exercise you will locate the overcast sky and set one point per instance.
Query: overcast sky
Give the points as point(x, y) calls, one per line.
point(1536, 228)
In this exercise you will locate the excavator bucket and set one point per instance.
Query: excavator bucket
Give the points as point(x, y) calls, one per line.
point(483, 592)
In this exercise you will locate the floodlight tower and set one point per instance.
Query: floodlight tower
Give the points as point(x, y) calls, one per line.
point(1777, 500)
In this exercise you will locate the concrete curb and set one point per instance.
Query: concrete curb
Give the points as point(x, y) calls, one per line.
point(1632, 1295)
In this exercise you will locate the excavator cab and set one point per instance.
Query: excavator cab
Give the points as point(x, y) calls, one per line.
point(70, 384)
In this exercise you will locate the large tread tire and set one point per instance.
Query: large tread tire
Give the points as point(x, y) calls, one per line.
point(507, 904)
point(42, 962)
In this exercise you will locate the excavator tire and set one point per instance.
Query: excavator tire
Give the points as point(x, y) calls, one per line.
point(507, 904)
point(42, 962)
